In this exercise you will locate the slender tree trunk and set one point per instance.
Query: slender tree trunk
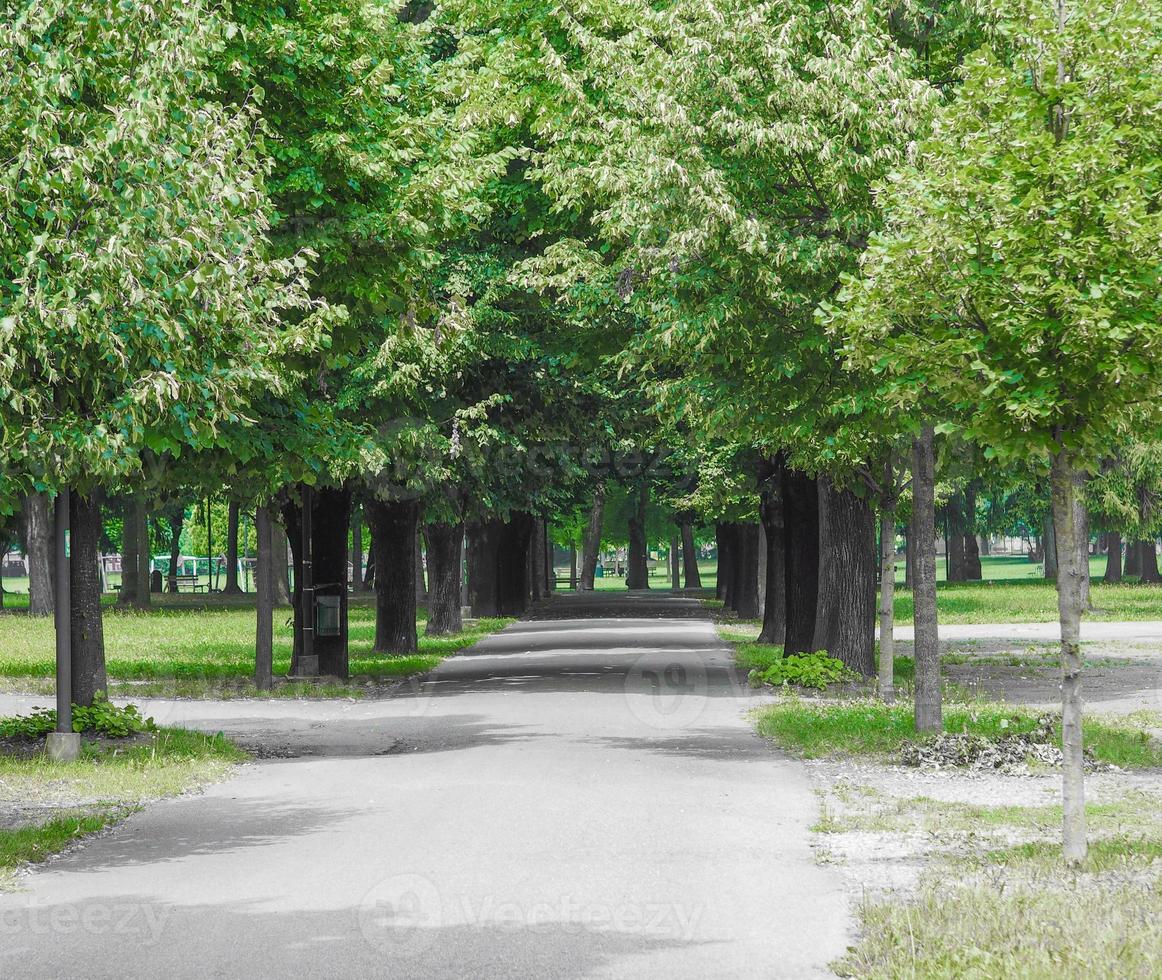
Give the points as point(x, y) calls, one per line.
point(591, 545)
point(393, 528)
point(722, 575)
point(538, 584)
point(129, 556)
point(801, 559)
point(573, 565)
point(39, 528)
point(443, 542)
point(1148, 560)
point(356, 548)
point(175, 549)
point(845, 621)
point(909, 561)
point(928, 713)
point(280, 551)
point(1049, 537)
point(264, 586)
point(369, 574)
point(746, 584)
point(761, 583)
point(1113, 557)
point(690, 573)
point(421, 581)
point(888, 501)
point(637, 574)
point(1073, 568)
point(771, 513)
point(954, 540)
point(86, 628)
point(972, 567)
point(675, 564)
point(232, 587)
point(144, 553)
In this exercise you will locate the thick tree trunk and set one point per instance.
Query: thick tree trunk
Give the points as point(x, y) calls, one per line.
point(87, 633)
point(369, 574)
point(144, 552)
point(232, 587)
point(443, 542)
point(483, 542)
point(690, 574)
point(512, 564)
point(722, 574)
point(356, 548)
point(591, 544)
point(771, 513)
point(887, 671)
point(538, 585)
point(264, 586)
point(129, 557)
point(909, 560)
point(1133, 560)
point(972, 567)
point(393, 529)
point(845, 621)
point(1148, 562)
point(38, 525)
point(637, 574)
point(280, 550)
point(1049, 538)
point(746, 583)
point(1073, 569)
point(928, 713)
point(550, 564)
point(1113, 557)
point(175, 549)
point(801, 559)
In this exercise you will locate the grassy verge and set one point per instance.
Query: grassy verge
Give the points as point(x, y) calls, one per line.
point(79, 798)
point(209, 652)
point(815, 728)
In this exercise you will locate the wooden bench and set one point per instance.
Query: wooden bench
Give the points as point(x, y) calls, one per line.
point(188, 580)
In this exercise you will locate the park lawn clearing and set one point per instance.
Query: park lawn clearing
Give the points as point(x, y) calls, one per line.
point(47, 805)
point(817, 728)
point(208, 651)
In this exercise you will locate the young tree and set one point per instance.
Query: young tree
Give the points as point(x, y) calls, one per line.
point(1018, 275)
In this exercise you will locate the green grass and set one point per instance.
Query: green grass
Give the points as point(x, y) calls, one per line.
point(814, 729)
point(200, 650)
point(102, 786)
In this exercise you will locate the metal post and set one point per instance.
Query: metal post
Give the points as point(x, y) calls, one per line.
point(63, 745)
point(308, 659)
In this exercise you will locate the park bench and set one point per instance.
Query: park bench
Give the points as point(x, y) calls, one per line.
point(191, 581)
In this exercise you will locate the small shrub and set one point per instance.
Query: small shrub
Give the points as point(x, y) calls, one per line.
point(815, 670)
point(100, 718)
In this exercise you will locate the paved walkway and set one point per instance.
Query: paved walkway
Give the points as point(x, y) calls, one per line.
point(580, 796)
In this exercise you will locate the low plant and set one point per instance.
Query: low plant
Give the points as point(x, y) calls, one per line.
point(102, 717)
point(814, 670)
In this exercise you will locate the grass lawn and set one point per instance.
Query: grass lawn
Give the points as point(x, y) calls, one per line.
point(107, 782)
point(822, 728)
point(206, 650)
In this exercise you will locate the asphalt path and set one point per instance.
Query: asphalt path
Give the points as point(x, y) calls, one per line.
point(580, 795)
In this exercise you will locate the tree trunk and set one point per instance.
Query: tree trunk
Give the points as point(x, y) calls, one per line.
point(280, 552)
point(129, 559)
point(176, 523)
point(369, 574)
point(746, 579)
point(675, 564)
point(39, 527)
point(86, 628)
point(1073, 567)
point(887, 667)
point(538, 585)
point(393, 529)
point(771, 514)
point(1148, 559)
point(1049, 537)
point(846, 610)
point(232, 587)
point(722, 575)
point(954, 570)
point(909, 560)
point(483, 542)
point(573, 566)
point(591, 545)
point(356, 548)
point(1113, 557)
point(512, 584)
point(690, 572)
point(928, 713)
point(264, 585)
point(637, 574)
point(144, 552)
point(801, 559)
point(972, 567)
point(443, 542)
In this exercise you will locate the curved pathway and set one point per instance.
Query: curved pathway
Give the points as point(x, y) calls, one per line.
point(580, 795)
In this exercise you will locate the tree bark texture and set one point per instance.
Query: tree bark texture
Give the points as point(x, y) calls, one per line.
point(637, 575)
point(675, 564)
point(746, 577)
point(129, 557)
point(722, 542)
point(144, 551)
point(39, 532)
point(801, 559)
point(86, 627)
point(887, 671)
point(591, 544)
point(393, 529)
point(483, 542)
point(264, 587)
point(443, 542)
point(1133, 559)
point(1148, 562)
point(928, 709)
point(690, 573)
point(771, 513)
point(1049, 539)
point(281, 555)
point(845, 616)
point(1113, 572)
point(176, 522)
point(232, 587)
point(356, 548)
